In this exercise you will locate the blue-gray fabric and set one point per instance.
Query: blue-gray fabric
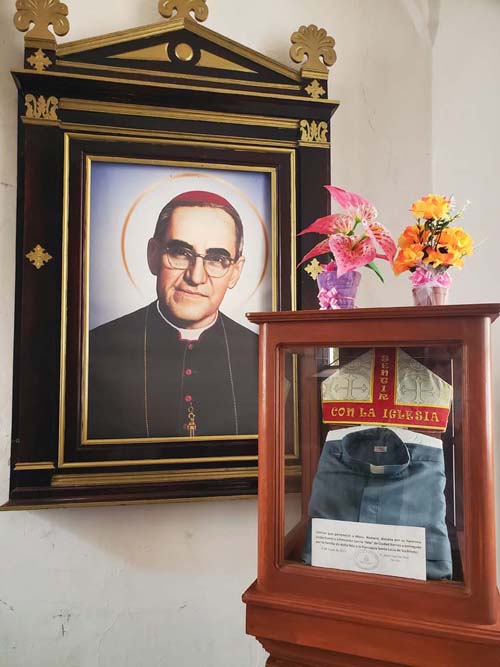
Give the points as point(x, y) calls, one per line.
point(371, 475)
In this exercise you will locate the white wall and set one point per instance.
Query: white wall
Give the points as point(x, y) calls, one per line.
point(466, 150)
point(161, 585)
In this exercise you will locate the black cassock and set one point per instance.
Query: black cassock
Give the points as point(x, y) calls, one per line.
point(144, 381)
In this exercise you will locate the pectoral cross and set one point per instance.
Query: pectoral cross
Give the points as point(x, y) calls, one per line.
point(191, 425)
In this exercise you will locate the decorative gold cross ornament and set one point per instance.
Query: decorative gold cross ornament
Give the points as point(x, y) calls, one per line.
point(314, 44)
point(39, 60)
point(39, 256)
point(42, 14)
point(183, 9)
point(314, 268)
point(315, 89)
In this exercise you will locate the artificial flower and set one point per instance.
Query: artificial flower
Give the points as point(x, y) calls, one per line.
point(331, 224)
point(320, 248)
point(431, 207)
point(411, 235)
point(351, 250)
point(344, 198)
point(431, 246)
point(408, 257)
point(457, 239)
point(437, 258)
point(379, 234)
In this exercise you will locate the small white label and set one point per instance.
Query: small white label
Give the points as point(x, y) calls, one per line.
point(396, 551)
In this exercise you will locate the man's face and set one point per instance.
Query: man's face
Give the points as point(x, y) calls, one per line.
point(190, 297)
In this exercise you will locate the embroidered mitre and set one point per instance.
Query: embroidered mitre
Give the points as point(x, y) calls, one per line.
point(386, 386)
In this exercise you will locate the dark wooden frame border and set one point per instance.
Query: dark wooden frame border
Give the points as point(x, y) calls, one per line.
point(83, 99)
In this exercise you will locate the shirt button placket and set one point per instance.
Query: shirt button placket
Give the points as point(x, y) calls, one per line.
point(370, 500)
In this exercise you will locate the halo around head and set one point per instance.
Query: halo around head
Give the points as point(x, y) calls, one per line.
point(148, 204)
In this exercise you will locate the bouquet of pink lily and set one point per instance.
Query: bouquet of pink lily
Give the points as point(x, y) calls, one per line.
point(353, 239)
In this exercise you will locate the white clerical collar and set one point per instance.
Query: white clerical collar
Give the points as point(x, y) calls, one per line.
point(186, 334)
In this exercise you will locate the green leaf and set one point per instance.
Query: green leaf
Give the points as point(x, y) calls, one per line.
point(375, 269)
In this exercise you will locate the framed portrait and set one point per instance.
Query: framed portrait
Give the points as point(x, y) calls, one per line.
point(192, 336)
point(159, 204)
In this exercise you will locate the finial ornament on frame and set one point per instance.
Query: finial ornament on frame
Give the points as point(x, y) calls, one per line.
point(42, 14)
point(314, 43)
point(183, 9)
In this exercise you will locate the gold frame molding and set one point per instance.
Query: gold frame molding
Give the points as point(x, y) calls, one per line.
point(68, 136)
point(122, 109)
point(105, 479)
point(166, 163)
point(35, 465)
point(175, 75)
point(175, 137)
point(204, 89)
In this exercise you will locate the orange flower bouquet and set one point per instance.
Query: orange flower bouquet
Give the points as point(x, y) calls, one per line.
point(430, 247)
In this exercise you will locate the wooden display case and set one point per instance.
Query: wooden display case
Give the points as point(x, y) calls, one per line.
point(311, 616)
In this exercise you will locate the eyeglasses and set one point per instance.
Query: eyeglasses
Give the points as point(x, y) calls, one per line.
point(179, 257)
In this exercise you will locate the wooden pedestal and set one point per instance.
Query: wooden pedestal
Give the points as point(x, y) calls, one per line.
point(299, 634)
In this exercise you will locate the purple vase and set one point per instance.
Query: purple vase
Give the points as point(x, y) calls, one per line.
point(346, 288)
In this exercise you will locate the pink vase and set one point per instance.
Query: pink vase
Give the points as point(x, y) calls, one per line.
point(430, 286)
point(338, 292)
point(432, 295)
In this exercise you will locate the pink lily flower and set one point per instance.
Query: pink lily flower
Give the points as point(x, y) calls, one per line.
point(365, 212)
point(330, 224)
point(380, 235)
point(351, 252)
point(346, 199)
point(319, 249)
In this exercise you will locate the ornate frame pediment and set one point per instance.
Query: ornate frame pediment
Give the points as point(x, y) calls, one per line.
point(179, 46)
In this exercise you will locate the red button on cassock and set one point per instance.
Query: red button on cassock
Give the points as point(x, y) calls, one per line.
point(188, 371)
point(188, 398)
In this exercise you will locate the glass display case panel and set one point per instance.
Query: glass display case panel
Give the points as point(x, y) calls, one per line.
point(380, 438)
